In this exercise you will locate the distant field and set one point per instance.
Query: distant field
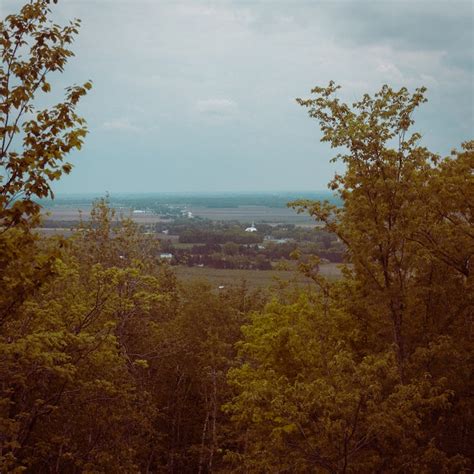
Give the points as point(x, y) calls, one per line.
point(252, 213)
point(70, 214)
point(243, 214)
point(244, 207)
point(51, 231)
point(169, 237)
point(254, 278)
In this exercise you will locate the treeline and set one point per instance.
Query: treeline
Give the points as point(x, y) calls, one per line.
point(262, 257)
point(223, 200)
point(227, 245)
point(217, 236)
point(205, 231)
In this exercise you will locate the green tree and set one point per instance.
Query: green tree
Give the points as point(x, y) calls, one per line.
point(390, 191)
point(86, 342)
point(33, 142)
point(374, 374)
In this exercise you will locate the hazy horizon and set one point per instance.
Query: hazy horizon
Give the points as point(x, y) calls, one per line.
point(202, 192)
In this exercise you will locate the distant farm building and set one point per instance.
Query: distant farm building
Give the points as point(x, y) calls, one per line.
point(166, 256)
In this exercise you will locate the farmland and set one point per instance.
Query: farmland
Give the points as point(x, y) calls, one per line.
point(253, 278)
point(252, 214)
point(161, 207)
point(205, 237)
point(70, 213)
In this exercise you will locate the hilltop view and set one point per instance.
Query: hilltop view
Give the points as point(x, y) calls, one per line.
point(236, 237)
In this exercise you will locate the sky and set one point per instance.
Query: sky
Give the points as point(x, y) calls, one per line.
point(197, 96)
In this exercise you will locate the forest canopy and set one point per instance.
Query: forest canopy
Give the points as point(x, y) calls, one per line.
point(109, 364)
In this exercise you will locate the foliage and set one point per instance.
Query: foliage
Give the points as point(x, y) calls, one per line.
point(33, 143)
point(112, 335)
point(32, 48)
point(376, 374)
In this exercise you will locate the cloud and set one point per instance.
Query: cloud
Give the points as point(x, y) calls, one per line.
point(390, 71)
point(213, 82)
point(421, 25)
point(216, 107)
point(121, 125)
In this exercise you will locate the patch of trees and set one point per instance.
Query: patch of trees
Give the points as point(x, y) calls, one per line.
point(234, 256)
point(215, 236)
point(218, 235)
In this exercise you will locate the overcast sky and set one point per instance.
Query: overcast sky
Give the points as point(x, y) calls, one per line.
point(199, 96)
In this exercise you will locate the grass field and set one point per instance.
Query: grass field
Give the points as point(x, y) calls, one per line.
point(254, 278)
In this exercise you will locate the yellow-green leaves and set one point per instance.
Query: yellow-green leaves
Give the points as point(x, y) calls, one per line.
point(30, 164)
point(375, 375)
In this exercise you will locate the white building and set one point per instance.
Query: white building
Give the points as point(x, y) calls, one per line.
point(252, 228)
point(166, 256)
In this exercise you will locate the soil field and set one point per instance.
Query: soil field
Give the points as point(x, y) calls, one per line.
point(169, 237)
point(52, 231)
point(254, 278)
point(70, 214)
point(253, 213)
point(243, 214)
